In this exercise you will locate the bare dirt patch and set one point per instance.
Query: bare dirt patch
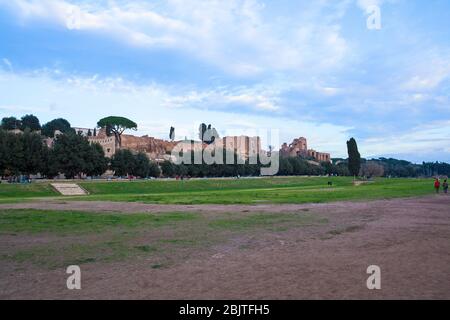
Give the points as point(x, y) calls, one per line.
point(408, 238)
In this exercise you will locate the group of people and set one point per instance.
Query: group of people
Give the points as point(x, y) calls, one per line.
point(437, 185)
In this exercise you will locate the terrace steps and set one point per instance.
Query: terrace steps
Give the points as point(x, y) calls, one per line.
point(69, 189)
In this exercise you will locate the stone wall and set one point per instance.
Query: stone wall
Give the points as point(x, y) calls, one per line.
point(108, 144)
point(243, 146)
point(160, 150)
point(156, 149)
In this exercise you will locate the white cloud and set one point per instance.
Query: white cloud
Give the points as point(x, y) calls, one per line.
point(427, 70)
point(8, 64)
point(365, 4)
point(82, 100)
point(252, 98)
point(429, 139)
point(236, 35)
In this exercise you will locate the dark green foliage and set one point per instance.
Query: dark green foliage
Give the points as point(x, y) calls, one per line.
point(286, 168)
point(117, 126)
point(207, 134)
point(11, 153)
point(154, 170)
point(123, 163)
point(201, 131)
point(72, 155)
point(11, 123)
point(434, 168)
point(60, 124)
point(22, 153)
point(201, 170)
point(96, 163)
point(35, 153)
point(354, 157)
point(141, 165)
point(168, 169)
point(30, 122)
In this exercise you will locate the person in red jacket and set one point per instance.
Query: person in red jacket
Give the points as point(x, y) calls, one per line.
point(437, 185)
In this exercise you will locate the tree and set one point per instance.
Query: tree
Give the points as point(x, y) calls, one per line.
point(154, 170)
point(201, 131)
point(117, 126)
point(141, 165)
point(172, 134)
point(71, 155)
point(286, 168)
point(328, 167)
point(11, 153)
point(354, 157)
point(207, 134)
point(372, 169)
point(22, 153)
point(96, 162)
point(11, 123)
point(168, 168)
point(31, 122)
point(342, 169)
point(34, 152)
point(123, 163)
point(60, 124)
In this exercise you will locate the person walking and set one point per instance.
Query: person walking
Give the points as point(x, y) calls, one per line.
point(437, 185)
point(445, 186)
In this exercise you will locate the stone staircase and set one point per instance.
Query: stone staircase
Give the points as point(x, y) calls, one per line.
point(69, 189)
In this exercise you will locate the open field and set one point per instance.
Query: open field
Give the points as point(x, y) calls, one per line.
point(267, 238)
point(291, 251)
point(229, 191)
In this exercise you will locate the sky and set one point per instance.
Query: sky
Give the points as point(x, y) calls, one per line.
point(294, 68)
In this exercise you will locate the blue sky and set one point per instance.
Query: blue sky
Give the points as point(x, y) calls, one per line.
point(303, 68)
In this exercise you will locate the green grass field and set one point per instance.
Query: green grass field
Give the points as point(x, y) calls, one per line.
point(229, 191)
point(72, 237)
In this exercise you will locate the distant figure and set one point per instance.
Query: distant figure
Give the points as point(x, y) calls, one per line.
point(445, 186)
point(437, 185)
point(330, 183)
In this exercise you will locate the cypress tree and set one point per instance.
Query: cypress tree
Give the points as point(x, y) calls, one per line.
point(354, 157)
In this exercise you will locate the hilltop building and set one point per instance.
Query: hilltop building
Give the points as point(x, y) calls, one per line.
point(299, 148)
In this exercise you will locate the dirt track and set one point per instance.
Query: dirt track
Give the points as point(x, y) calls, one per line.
point(408, 238)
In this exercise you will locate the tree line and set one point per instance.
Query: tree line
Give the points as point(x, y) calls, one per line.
point(27, 154)
point(74, 156)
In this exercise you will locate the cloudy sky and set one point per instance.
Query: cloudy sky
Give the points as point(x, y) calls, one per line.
point(300, 68)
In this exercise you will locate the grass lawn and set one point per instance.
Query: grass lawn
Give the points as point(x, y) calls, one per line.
point(231, 191)
point(19, 192)
point(61, 238)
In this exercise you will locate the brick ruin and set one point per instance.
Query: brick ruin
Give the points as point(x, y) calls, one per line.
point(299, 148)
point(160, 150)
point(155, 149)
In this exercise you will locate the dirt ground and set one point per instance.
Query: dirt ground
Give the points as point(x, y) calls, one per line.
point(409, 239)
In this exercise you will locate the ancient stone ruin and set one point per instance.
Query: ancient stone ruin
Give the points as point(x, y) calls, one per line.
point(299, 148)
point(160, 150)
